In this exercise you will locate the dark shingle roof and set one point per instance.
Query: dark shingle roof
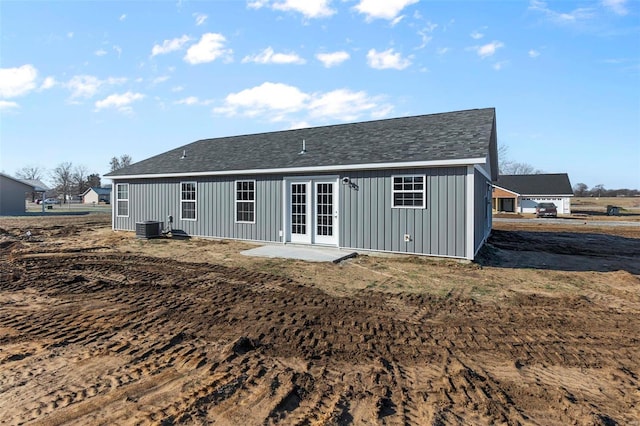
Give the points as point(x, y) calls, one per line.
point(541, 184)
point(434, 137)
point(101, 191)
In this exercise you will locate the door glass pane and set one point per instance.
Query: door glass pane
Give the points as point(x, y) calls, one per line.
point(298, 208)
point(324, 209)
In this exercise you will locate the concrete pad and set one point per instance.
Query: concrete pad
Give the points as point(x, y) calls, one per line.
point(308, 253)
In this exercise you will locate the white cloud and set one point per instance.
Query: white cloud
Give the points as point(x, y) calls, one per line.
point(70, 34)
point(476, 35)
point(299, 125)
point(122, 17)
point(499, 65)
point(425, 34)
point(533, 53)
point(118, 49)
point(387, 59)
point(100, 52)
point(170, 45)
point(86, 86)
point(280, 102)
point(121, 102)
point(397, 20)
point(17, 81)
point(208, 49)
point(488, 49)
point(193, 100)
point(387, 9)
point(332, 59)
point(8, 105)
point(442, 50)
point(576, 15)
point(257, 4)
point(616, 6)
point(266, 97)
point(341, 104)
point(309, 8)
point(48, 83)
point(200, 18)
point(160, 79)
point(176, 89)
point(268, 56)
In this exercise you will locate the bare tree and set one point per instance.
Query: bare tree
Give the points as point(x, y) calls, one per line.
point(62, 178)
point(80, 179)
point(580, 189)
point(30, 173)
point(503, 159)
point(506, 166)
point(598, 190)
point(120, 163)
point(521, 169)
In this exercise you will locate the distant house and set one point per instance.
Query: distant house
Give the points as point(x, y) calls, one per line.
point(96, 195)
point(12, 195)
point(419, 185)
point(522, 193)
point(39, 188)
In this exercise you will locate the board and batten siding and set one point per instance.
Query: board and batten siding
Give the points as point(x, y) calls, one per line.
point(368, 220)
point(482, 209)
point(156, 199)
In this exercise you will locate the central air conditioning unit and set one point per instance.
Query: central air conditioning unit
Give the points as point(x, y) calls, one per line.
point(148, 229)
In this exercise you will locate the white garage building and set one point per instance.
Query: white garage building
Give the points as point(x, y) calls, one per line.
point(522, 193)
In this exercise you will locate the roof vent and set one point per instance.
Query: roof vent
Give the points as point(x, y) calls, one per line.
point(184, 154)
point(304, 147)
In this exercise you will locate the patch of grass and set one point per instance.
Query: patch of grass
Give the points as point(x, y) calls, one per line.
point(478, 292)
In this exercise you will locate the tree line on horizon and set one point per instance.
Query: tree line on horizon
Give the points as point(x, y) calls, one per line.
point(582, 190)
point(67, 179)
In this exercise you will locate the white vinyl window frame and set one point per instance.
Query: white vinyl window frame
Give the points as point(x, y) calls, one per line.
point(122, 200)
point(245, 201)
point(188, 197)
point(408, 191)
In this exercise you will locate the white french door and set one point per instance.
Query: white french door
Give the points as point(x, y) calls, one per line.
point(312, 211)
point(299, 217)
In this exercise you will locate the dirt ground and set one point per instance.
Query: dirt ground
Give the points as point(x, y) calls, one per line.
point(98, 327)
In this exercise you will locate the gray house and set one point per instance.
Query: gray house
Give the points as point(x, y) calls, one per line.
point(419, 185)
point(12, 195)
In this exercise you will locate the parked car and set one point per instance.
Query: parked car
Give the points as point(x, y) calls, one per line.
point(52, 201)
point(546, 210)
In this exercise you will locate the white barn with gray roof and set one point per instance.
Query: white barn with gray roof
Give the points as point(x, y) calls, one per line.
point(419, 185)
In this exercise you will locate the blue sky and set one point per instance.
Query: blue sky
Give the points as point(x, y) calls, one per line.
point(83, 81)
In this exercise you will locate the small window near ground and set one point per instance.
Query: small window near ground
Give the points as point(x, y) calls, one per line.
point(188, 201)
point(409, 191)
point(122, 199)
point(245, 201)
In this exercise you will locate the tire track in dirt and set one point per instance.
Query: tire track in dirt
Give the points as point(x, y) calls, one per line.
point(180, 342)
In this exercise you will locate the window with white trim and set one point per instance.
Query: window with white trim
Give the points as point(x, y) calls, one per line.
point(246, 201)
point(122, 199)
point(408, 191)
point(188, 200)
